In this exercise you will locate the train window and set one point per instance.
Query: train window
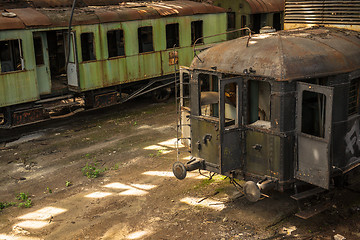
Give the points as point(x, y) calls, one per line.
point(230, 104)
point(353, 105)
point(209, 98)
point(259, 93)
point(87, 46)
point(196, 32)
point(231, 20)
point(39, 56)
point(172, 35)
point(116, 44)
point(11, 56)
point(313, 113)
point(145, 39)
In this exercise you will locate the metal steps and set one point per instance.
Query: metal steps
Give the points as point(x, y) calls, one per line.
point(308, 193)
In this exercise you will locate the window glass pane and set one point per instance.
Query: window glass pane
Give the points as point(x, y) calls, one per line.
point(196, 32)
point(39, 56)
point(313, 113)
point(10, 57)
point(145, 39)
point(87, 47)
point(116, 45)
point(172, 35)
point(209, 99)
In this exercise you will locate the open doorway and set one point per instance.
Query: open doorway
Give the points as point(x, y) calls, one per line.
point(57, 58)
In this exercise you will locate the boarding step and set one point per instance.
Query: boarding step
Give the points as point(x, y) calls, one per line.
point(313, 210)
point(308, 193)
point(54, 99)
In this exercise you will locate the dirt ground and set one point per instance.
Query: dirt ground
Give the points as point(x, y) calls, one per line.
point(136, 196)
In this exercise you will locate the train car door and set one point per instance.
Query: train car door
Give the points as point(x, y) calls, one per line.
point(230, 124)
point(72, 67)
point(313, 124)
point(42, 62)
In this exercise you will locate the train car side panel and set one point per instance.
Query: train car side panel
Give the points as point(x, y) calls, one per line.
point(18, 77)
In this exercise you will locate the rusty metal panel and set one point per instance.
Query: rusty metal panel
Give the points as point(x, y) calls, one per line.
point(10, 23)
point(266, 6)
point(148, 13)
point(28, 116)
point(313, 152)
point(277, 55)
point(31, 18)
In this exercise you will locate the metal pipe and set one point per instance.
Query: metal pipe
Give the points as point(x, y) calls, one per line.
point(69, 31)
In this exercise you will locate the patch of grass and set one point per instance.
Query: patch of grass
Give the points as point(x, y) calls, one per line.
point(116, 166)
point(91, 170)
point(204, 183)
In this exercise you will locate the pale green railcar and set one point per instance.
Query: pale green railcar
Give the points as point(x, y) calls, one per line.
point(116, 50)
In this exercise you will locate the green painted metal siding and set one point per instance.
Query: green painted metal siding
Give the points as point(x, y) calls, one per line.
point(19, 86)
point(134, 66)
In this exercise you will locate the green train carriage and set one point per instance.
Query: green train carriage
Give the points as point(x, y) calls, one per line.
point(123, 48)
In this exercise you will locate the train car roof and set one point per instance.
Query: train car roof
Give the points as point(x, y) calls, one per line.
point(286, 55)
point(266, 6)
point(56, 13)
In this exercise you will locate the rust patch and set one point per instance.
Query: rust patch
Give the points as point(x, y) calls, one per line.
point(31, 18)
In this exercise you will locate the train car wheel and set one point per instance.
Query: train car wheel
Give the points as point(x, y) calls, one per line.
point(161, 94)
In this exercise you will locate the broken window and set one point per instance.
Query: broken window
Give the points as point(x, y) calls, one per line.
point(11, 55)
point(230, 104)
point(313, 113)
point(209, 98)
point(353, 105)
point(259, 93)
point(87, 47)
point(145, 39)
point(39, 56)
point(196, 32)
point(172, 35)
point(116, 44)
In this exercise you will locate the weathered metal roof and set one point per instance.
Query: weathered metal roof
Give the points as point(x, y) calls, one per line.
point(266, 6)
point(286, 55)
point(56, 13)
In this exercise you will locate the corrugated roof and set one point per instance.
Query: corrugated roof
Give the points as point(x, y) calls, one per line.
point(286, 55)
point(56, 13)
point(266, 6)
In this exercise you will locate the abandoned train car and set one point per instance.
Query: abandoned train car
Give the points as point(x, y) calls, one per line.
point(115, 49)
point(254, 14)
point(276, 108)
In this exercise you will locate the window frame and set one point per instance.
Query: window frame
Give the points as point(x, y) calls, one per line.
point(177, 38)
point(122, 33)
point(93, 47)
point(21, 57)
point(141, 42)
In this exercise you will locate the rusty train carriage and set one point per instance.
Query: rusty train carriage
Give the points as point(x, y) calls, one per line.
point(115, 48)
point(275, 109)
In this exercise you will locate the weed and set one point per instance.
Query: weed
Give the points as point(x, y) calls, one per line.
point(91, 171)
point(151, 155)
point(204, 183)
point(22, 196)
point(6, 204)
point(116, 166)
point(135, 123)
point(159, 152)
point(48, 190)
point(68, 183)
point(26, 204)
point(25, 200)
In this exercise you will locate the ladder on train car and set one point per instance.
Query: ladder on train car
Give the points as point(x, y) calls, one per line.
point(182, 94)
